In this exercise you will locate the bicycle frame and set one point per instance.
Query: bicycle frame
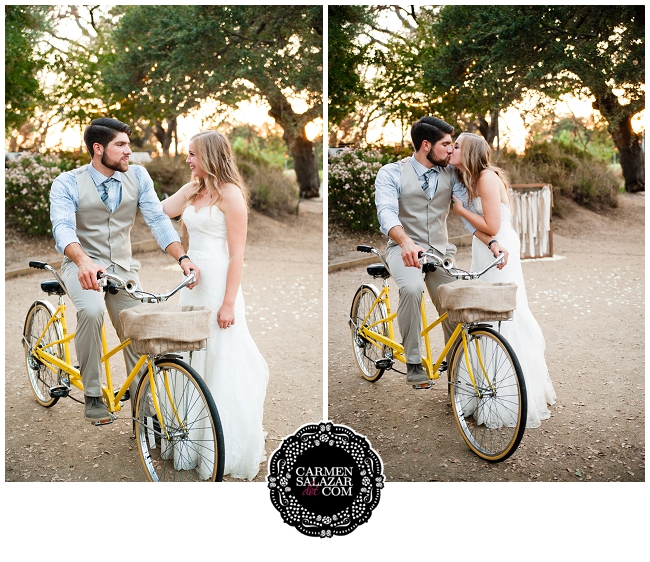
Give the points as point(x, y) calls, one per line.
point(113, 399)
point(379, 340)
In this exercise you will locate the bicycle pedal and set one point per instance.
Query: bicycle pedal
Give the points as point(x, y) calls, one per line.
point(383, 363)
point(423, 386)
point(107, 421)
point(443, 367)
point(59, 391)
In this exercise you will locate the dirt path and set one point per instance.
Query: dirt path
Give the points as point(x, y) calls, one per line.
point(589, 302)
point(282, 285)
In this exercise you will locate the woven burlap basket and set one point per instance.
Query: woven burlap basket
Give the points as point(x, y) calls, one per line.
point(478, 301)
point(156, 329)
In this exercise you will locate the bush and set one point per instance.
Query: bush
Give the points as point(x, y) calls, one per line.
point(574, 173)
point(27, 189)
point(168, 174)
point(271, 191)
point(351, 188)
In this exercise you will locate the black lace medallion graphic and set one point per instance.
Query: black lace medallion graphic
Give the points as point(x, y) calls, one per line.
point(325, 480)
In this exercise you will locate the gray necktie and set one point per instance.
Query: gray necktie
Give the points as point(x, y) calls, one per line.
point(104, 196)
point(427, 178)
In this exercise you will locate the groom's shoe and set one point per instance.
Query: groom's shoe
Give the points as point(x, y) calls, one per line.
point(416, 376)
point(96, 411)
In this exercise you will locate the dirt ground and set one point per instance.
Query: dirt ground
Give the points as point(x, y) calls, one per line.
point(283, 289)
point(589, 302)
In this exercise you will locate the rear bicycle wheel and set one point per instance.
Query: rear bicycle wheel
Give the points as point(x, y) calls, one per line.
point(42, 378)
point(491, 411)
point(188, 445)
point(366, 352)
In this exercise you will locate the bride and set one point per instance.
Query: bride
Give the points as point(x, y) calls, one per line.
point(487, 186)
point(214, 209)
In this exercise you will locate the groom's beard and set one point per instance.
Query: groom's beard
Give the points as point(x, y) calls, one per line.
point(116, 165)
point(442, 163)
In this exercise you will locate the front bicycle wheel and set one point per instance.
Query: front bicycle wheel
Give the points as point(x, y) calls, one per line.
point(366, 352)
point(42, 378)
point(188, 445)
point(490, 410)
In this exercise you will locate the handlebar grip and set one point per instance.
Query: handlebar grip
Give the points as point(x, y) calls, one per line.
point(37, 264)
point(100, 274)
point(364, 248)
point(420, 254)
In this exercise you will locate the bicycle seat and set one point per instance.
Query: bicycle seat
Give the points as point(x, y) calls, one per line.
point(378, 270)
point(52, 287)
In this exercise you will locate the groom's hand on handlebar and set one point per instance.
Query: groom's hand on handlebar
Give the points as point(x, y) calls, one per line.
point(88, 271)
point(188, 267)
point(411, 253)
point(496, 250)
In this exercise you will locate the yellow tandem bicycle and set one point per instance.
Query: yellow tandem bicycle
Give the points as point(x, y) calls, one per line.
point(177, 427)
point(485, 381)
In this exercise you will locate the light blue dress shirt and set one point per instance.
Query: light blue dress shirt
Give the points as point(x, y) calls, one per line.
point(388, 188)
point(64, 202)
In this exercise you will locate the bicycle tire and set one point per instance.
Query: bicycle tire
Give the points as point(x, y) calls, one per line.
point(493, 423)
point(42, 378)
point(192, 446)
point(365, 353)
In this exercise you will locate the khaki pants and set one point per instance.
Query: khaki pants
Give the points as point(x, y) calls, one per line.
point(411, 284)
point(90, 317)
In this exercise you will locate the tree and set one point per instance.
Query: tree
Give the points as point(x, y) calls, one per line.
point(496, 54)
point(345, 56)
point(24, 26)
point(169, 59)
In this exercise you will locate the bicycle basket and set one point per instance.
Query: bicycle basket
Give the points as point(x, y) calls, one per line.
point(156, 329)
point(478, 301)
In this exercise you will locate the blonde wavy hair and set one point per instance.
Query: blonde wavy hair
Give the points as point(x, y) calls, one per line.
point(216, 158)
point(475, 155)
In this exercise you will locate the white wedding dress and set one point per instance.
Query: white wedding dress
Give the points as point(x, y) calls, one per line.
point(522, 332)
point(231, 366)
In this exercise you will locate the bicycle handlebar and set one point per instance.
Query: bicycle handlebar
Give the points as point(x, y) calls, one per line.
point(430, 261)
point(114, 283)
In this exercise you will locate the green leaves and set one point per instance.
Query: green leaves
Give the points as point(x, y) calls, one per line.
point(24, 26)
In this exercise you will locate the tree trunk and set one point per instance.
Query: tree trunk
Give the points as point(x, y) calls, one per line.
point(304, 163)
point(625, 139)
point(302, 149)
point(164, 136)
point(488, 130)
point(631, 154)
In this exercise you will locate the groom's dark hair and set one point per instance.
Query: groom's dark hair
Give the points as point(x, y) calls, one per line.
point(103, 131)
point(430, 129)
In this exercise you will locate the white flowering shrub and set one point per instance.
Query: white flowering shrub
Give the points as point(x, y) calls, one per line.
point(28, 180)
point(351, 188)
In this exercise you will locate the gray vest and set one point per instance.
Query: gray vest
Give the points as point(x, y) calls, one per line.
point(425, 221)
point(106, 236)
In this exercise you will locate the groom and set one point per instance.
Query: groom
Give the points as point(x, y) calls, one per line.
point(412, 199)
point(93, 210)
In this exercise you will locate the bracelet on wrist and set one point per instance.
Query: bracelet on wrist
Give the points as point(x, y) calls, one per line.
point(493, 241)
point(183, 257)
